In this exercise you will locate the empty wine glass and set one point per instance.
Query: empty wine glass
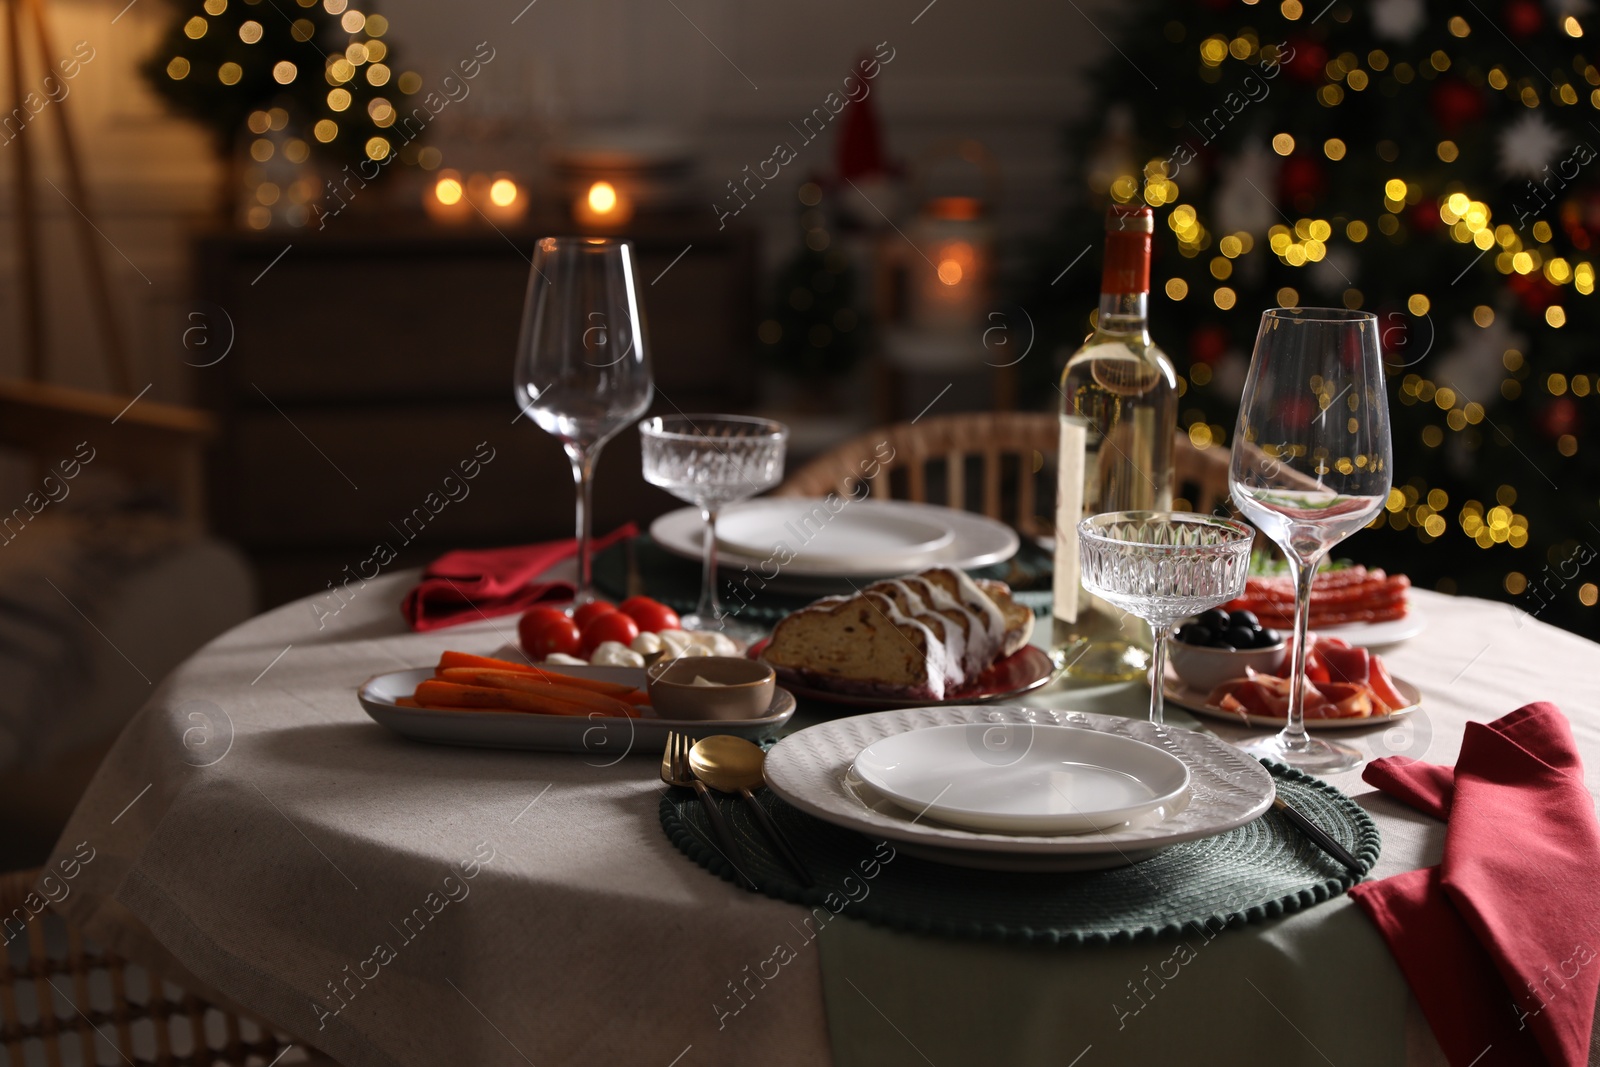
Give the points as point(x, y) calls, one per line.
point(710, 461)
point(583, 370)
point(1311, 465)
point(1163, 566)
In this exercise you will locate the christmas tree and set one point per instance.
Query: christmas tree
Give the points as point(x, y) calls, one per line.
point(1437, 164)
point(323, 64)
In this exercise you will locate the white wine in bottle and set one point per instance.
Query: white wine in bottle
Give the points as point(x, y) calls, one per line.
point(1119, 414)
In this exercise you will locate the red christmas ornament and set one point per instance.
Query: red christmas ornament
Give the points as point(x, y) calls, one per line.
point(1524, 17)
point(1456, 105)
point(1301, 182)
point(1308, 61)
point(1559, 417)
point(1208, 343)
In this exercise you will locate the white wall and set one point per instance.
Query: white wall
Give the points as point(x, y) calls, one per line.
point(1007, 74)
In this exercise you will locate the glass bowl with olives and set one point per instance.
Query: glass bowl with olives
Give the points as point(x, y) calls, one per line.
point(1217, 645)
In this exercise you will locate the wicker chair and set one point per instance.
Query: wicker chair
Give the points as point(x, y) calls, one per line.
point(987, 460)
point(65, 1001)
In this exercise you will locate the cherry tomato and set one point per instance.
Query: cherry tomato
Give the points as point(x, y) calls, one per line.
point(591, 611)
point(652, 615)
point(611, 626)
point(546, 631)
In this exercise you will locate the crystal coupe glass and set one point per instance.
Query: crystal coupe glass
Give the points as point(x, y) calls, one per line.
point(1163, 566)
point(711, 461)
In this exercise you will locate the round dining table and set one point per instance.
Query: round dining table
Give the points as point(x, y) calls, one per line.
point(393, 902)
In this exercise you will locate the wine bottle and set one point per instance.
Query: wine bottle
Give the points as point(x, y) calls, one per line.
point(1119, 415)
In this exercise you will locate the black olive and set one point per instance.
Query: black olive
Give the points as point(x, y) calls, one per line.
point(1194, 634)
point(1268, 638)
point(1247, 619)
point(1239, 637)
point(1215, 619)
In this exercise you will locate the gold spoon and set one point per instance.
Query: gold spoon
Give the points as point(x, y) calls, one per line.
point(731, 764)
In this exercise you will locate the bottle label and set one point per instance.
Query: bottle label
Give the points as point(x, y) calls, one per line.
point(1069, 512)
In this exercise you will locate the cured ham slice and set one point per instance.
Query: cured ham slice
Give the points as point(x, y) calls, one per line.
point(1267, 695)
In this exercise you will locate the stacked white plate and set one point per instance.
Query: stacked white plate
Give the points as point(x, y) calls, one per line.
point(799, 541)
point(1014, 788)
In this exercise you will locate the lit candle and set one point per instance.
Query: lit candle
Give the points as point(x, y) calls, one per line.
point(956, 240)
point(445, 200)
point(504, 201)
point(602, 207)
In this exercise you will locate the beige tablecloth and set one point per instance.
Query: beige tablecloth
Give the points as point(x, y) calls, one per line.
point(400, 903)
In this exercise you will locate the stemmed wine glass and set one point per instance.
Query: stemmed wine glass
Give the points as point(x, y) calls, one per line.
point(1311, 465)
point(583, 369)
point(710, 461)
point(1163, 566)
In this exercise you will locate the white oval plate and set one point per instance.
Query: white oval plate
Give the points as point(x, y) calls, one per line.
point(977, 541)
point(1378, 634)
point(1022, 778)
point(857, 537)
point(1186, 696)
point(811, 769)
point(598, 735)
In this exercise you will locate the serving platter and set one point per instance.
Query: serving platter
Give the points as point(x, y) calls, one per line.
point(602, 736)
point(1379, 634)
point(1027, 669)
point(1179, 692)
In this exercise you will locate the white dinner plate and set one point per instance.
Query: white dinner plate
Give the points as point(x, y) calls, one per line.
point(1378, 634)
point(1187, 696)
point(871, 538)
point(976, 541)
point(812, 770)
point(606, 737)
point(1027, 779)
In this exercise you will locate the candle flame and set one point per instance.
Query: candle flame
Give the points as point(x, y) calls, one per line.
point(602, 198)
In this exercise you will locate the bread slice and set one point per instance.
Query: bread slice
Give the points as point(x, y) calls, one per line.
point(1018, 617)
point(908, 594)
point(861, 644)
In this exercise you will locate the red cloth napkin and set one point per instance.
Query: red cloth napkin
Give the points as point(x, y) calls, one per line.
point(1500, 943)
point(471, 584)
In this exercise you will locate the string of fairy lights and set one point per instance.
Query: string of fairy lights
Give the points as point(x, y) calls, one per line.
point(1468, 219)
point(356, 102)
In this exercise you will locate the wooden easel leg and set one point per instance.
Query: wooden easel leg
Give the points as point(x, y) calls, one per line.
point(26, 234)
point(89, 238)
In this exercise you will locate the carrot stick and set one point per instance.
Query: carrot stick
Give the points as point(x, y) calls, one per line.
point(467, 659)
point(544, 701)
point(464, 660)
point(442, 694)
point(550, 684)
point(638, 696)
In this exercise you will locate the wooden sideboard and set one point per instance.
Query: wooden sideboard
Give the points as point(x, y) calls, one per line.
point(369, 362)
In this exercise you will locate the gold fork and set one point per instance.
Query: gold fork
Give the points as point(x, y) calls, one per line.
point(675, 770)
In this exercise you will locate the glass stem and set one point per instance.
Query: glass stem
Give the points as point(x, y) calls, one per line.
point(709, 610)
point(583, 478)
point(1158, 676)
point(1294, 734)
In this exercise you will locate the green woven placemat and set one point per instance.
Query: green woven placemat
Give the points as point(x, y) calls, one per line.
point(675, 581)
point(1259, 871)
